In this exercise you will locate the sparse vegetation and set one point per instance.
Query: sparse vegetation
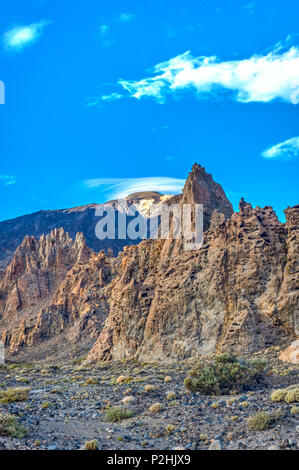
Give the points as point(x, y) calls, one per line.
point(287, 395)
point(46, 405)
point(292, 395)
point(167, 379)
point(156, 407)
point(123, 379)
point(117, 413)
point(294, 410)
point(261, 421)
point(91, 445)
point(128, 400)
point(11, 395)
point(170, 428)
point(224, 374)
point(171, 396)
point(147, 414)
point(215, 405)
point(230, 401)
point(91, 381)
point(9, 426)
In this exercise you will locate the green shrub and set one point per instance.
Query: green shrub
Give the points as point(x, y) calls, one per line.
point(170, 428)
point(171, 396)
point(9, 427)
point(91, 381)
point(45, 405)
point(292, 395)
point(14, 394)
point(288, 395)
point(117, 413)
point(278, 395)
point(156, 407)
point(224, 374)
point(261, 421)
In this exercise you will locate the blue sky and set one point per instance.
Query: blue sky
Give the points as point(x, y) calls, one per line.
point(101, 97)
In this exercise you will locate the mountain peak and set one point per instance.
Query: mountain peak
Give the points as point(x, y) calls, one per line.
point(200, 188)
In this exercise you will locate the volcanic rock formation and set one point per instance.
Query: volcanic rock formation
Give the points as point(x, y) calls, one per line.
point(155, 300)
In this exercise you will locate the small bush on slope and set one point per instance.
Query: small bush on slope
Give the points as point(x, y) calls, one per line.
point(224, 374)
point(14, 394)
point(288, 395)
point(261, 421)
point(9, 427)
point(117, 413)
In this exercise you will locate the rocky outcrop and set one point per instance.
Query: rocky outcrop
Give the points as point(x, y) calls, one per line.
point(235, 293)
point(40, 286)
point(200, 188)
point(291, 353)
point(156, 300)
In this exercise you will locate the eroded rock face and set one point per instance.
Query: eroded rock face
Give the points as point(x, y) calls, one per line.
point(291, 353)
point(45, 290)
point(157, 301)
point(200, 188)
point(225, 296)
point(37, 267)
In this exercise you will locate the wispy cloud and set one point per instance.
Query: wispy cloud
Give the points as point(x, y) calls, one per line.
point(99, 100)
point(172, 158)
point(260, 78)
point(173, 31)
point(21, 36)
point(126, 17)
point(104, 29)
point(118, 188)
point(7, 180)
point(250, 7)
point(107, 30)
point(287, 150)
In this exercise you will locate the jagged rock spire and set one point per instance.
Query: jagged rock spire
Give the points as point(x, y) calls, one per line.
point(200, 188)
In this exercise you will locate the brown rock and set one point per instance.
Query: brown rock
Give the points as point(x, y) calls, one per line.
point(157, 301)
point(291, 353)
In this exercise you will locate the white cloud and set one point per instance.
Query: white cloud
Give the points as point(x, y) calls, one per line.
point(126, 17)
point(7, 180)
point(119, 188)
point(249, 7)
point(98, 100)
point(111, 97)
point(104, 29)
point(108, 30)
point(287, 150)
point(260, 78)
point(20, 36)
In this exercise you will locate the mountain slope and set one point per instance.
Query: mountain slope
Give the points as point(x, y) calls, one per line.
point(77, 219)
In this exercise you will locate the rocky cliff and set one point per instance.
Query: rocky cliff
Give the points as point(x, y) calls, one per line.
point(155, 300)
point(238, 292)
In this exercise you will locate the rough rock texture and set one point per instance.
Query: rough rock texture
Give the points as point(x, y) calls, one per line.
point(200, 188)
point(238, 292)
point(291, 353)
point(32, 306)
